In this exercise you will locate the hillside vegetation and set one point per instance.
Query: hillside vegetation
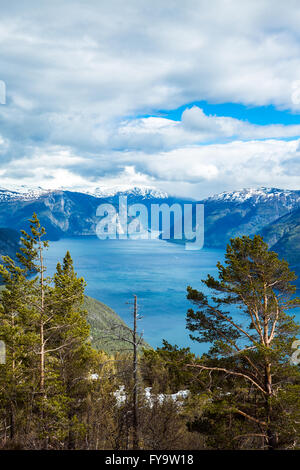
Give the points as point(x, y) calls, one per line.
point(103, 320)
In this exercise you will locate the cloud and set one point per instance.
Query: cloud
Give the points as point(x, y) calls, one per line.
point(123, 57)
point(80, 76)
point(254, 162)
point(155, 133)
point(196, 171)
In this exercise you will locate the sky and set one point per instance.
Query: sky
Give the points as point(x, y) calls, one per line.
point(191, 97)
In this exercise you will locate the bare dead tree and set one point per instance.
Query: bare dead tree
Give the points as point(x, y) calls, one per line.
point(124, 334)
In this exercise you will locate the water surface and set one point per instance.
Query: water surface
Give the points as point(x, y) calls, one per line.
point(157, 271)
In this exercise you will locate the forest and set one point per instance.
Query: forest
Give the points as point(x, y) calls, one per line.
point(59, 391)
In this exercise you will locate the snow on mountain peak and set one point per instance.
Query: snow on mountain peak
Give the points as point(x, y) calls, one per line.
point(288, 198)
point(27, 193)
point(256, 195)
point(142, 191)
point(21, 192)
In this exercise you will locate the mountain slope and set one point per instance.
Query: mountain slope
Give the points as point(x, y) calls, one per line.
point(245, 212)
point(63, 213)
point(67, 213)
point(101, 319)
point(283, 236)
point(9, 242)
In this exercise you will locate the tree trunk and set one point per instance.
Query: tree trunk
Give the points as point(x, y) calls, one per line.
point(135, 380)
point(271, 436)
point(11, 422)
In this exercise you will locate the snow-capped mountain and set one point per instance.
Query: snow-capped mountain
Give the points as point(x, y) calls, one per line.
point(138, 191)
point(288, 198)
point(22, 192)
point(245, 212)
point(66, 212)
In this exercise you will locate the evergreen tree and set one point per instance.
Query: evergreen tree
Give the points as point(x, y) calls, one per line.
point(16, 374)
point(47, 342)
point(71, 342)
point(24, 318)
point(32, 258)
point(165, 368)
point(252, 344)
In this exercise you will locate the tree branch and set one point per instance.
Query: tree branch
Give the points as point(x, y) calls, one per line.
point(239, 374)
point(262, 423)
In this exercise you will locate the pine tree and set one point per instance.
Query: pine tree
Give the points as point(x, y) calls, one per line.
point(32, 258)
point(28, 306)
point(23, 306)
point(72, 342)
point(48, 379)
point(252, 344)
point(16, 373)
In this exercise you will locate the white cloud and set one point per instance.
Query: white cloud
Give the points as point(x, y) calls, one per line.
point(254, 162)
point(192, 171)
point(80, 74)
point(156, 133)
point(123, 57)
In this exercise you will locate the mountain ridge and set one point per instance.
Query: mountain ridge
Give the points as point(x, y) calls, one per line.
point(245, 212)
point(229, 214)
point(283, 236)
point(238, 196)
point(246, 193)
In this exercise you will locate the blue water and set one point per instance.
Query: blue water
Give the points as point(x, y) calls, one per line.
point(157, 271)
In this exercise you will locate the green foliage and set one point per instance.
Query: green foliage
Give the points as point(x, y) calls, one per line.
point(251, 347)
point(103, 321)
point(166, 369)
point(46, 333)
point(59, 389)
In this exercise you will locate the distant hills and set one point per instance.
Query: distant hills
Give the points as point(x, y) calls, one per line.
point(67, 213)
point(245, 212)
point(283, 235)
point(9, 242)
point(272, 212)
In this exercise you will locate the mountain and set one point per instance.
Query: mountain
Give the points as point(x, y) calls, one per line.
point(245, 212)
point(21, 192)
point(101, 319)
point(283, 236)
point(67, 213)
point(9, 242)
point(63, 213)
point(287, 198)
point(271, 212)
point(141, 192)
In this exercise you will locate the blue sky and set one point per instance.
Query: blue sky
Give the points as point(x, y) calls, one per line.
point(256, 115)
point(192, 97)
